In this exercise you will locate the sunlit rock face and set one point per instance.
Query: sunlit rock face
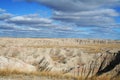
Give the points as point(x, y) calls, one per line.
point(13, 64)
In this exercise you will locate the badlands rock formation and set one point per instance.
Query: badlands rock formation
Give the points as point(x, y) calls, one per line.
point(14, 64)
point(81, 57)
point(110, 63)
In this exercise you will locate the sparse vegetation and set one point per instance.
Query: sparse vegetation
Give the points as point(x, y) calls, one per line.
point(57, 59)
point(50, 76)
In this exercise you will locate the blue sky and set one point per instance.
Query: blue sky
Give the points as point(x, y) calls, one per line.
point(60, 18)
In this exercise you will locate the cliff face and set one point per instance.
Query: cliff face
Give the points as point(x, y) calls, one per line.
point(68, 56)
point(110, 63)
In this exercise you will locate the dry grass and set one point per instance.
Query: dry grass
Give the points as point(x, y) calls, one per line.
point(90, 48)
point(53, 75)
point(8, 72)
point(50, 75)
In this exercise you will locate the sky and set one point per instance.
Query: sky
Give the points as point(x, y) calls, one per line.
point(93, 19)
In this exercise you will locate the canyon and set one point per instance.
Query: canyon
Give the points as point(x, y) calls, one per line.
point(76, 57)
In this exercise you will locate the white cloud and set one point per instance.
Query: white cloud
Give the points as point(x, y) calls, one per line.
point(77, 5)
point(83, 13)
point(5, 16)
point(104, 12)
point(28, 20)
point(93, 18)
point(2, 10)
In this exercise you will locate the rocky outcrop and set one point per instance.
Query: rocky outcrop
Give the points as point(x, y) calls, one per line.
point(110, 63)
point(79, 57)
point(14, 64)
point(38, 42)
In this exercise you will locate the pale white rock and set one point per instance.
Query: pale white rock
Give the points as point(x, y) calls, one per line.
point(14, 64)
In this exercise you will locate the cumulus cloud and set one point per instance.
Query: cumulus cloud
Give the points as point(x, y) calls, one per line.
point(101, 12)
point(77, 5)
point(97, 15)
point(6, 26)
point(82, 13)
point(5, 16)
point(10, 22)
point(28, 20)
point(100, 18)
point(13, 27)
point(2, 10)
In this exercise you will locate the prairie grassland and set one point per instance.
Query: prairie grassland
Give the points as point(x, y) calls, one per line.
point(16, 75)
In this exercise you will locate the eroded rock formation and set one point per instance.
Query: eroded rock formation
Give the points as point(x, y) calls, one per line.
point(110, 63)
point(14, 64)
point(68, 56)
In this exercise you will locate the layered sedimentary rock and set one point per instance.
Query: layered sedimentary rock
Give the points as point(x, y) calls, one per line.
point(110, 63)
point(51, 42)
point(14, 64)
point(81, 57)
